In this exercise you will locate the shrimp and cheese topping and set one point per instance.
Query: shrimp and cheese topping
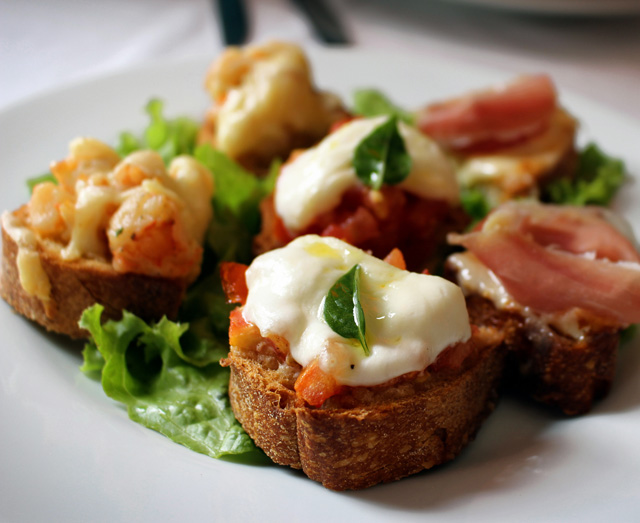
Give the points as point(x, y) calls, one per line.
point(315, 181)
point(410, 318)
point(133, 213)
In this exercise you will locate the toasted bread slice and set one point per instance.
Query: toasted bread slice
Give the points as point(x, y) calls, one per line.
point(365, 435)
point(552, 368)
point(76, 285)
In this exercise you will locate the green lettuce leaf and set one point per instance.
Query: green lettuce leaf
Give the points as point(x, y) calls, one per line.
point(596, 181)
point(169, 137)
point(371, 102)
point(236, 204)
point(475, 203)
point(164, 386)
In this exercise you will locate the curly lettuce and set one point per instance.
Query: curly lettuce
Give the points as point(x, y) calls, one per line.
point(236, 203)
point(595, 182)
point(169, 137)
point(166, 385)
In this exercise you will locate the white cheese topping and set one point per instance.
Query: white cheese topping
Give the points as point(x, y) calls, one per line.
point(33, 278)
point(410, 318)
point(316, 180)
point(91, 213)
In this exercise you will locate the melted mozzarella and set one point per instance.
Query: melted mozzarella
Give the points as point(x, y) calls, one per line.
point(410, 317)
point(316, 180)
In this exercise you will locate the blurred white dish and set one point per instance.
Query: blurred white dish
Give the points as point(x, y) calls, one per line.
point(68, 453)
point(561, 7)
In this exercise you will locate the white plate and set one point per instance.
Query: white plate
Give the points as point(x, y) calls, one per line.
point(562, 7)
point(68, 453)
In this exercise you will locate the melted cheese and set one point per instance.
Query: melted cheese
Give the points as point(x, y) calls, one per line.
point(33, 278)
point(193, 183)
point(316, 180)
point(94, 205)
point(516, 169)
point(268, 97)
point(410, 317)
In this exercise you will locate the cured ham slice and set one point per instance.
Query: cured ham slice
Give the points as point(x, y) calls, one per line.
point(553, 259)
point(501, 115)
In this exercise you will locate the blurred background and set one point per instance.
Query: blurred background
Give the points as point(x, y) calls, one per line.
point(589, 46)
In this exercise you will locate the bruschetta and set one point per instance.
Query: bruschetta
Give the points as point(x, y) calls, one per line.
point(509, 141)
point(561, 282)
point(125, 233)
point(403, 392)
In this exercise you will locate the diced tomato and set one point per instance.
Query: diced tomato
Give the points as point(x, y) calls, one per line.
point(356, 229)
point(234, 282)
point(396, 259)
point(393, 219)
point(315, 386)
point(240, 329)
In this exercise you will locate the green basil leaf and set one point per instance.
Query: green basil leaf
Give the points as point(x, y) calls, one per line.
point(343, 311)
point(381, 157)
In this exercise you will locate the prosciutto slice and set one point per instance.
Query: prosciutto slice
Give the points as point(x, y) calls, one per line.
point(502, 115)
point(553, 259)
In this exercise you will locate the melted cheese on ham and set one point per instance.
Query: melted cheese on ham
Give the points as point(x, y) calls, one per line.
point(410, 317)
point(516, 169)
point(475, 278)
point(316, 180)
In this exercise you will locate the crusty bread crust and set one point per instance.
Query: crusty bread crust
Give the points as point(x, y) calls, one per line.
point(366, 435)
point(76, 285)
point(548, 366)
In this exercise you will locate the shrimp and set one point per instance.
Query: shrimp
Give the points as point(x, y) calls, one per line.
point(137, 167)
point(51, 211)
point(147, 235)
point(87, 156)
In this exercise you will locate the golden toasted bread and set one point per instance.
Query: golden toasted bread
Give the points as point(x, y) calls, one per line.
point(76, 285)
point(552, 368)
point(365, 435)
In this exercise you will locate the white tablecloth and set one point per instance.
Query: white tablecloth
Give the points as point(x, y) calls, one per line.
point(43, 44)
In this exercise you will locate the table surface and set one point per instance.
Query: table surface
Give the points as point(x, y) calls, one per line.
point(44, 44)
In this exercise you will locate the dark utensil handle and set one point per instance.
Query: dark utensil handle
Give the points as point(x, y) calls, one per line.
point(233, 21)
point(323, 20)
